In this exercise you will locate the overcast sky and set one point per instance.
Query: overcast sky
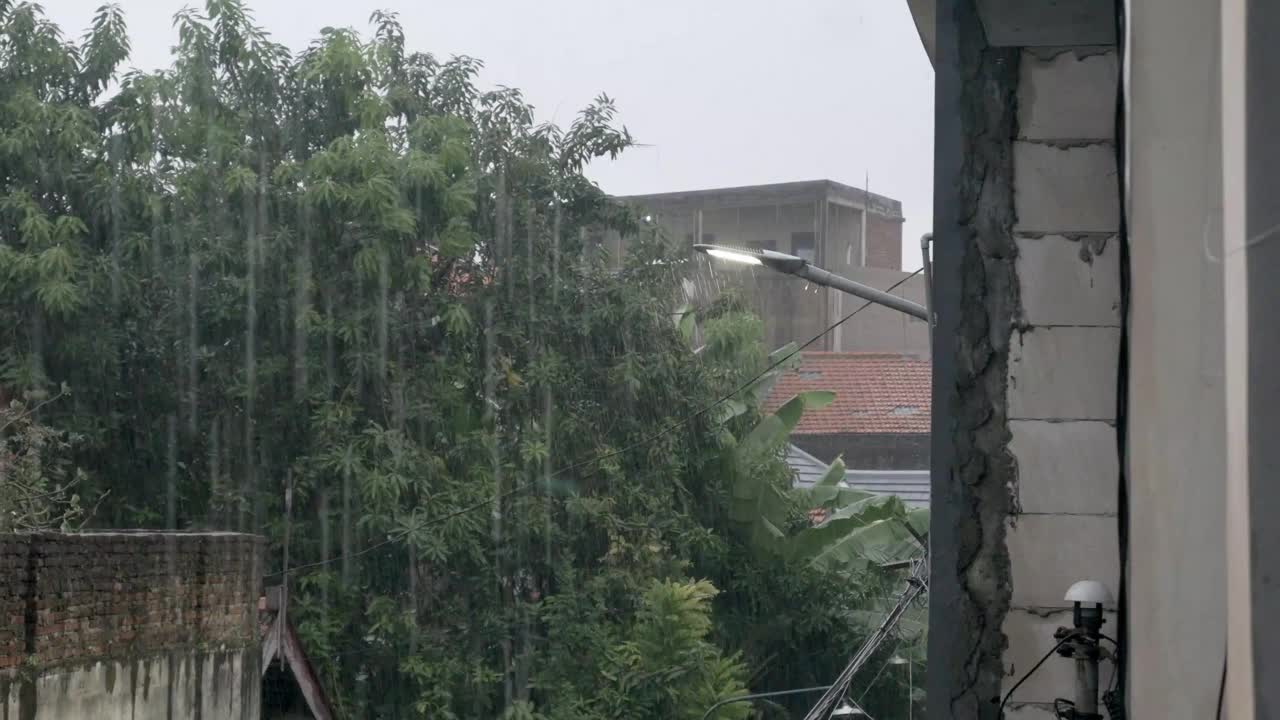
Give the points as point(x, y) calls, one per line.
point(722, 92)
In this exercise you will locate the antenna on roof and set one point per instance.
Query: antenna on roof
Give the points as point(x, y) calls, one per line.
point(866, 206)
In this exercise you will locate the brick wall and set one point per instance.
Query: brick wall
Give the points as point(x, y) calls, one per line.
point(71, 598)
point(884, 241)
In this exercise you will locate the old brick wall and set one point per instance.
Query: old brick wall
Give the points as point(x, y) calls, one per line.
point(884, 241)
point(81, 605)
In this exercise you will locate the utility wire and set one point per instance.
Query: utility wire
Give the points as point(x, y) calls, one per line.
point(1222, 687)
point(521, 487)
point(883, 666)
point(1031, 672)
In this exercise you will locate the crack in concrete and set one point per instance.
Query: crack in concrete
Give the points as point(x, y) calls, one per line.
point(984, 468)
point(1048, 54)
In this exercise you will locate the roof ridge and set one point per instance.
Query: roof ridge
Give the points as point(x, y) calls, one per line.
point(862, 353)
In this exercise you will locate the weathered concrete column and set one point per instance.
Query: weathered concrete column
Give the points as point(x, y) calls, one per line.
point(976, 300)
point(1176, 462)
point(1251, 262)
point(1025, 354)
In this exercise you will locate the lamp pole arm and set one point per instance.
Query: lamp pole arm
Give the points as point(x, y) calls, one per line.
point(819, 276)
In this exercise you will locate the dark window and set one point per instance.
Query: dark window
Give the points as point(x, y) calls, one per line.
point(803, 245)
point(708, 238)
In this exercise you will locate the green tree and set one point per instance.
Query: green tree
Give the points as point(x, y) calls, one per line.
point(352, 272)
point(37, 481)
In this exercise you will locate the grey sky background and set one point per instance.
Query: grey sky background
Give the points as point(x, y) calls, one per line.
point(722, 92)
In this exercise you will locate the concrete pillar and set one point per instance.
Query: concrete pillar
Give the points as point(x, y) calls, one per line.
point(1025, 461)
point(1176, 458)
point(1251, 262)
point(975, 296)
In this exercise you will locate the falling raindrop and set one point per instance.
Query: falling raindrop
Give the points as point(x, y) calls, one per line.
point(171, 496)
point(302, 308)
point(37, 344)
point(116, 211)
point(548, 401)
point(412, 599)
point(193, 340)
point(384, 282)
point(171, 476)
point(325, 541)
point(330, 346)
point(215, 480)
point(347, 538)
point(249, 487)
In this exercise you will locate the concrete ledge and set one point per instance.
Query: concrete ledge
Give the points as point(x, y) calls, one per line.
point(1030, 636)
point(1063, 373)
point(1065, 467)
point(1069, 282)
point(1070, 96)
point(1048, 553)
point(1065, 189)
point(1048, 22)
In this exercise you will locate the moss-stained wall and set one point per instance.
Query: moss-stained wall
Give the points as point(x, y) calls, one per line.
point(129, 625)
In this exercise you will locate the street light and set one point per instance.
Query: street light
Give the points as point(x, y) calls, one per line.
point(801, 268)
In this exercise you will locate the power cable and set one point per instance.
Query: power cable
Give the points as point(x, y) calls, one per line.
point(1222, 688)
point(883, 666)
point(1122, 373)
point(521, 487)
point(1031, 672)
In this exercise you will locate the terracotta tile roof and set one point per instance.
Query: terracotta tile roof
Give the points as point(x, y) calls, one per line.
point(875, 393)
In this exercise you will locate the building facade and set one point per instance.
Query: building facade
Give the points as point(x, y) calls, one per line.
point(843, 229)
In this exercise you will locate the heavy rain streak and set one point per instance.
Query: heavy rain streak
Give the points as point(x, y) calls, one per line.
point(491, 442)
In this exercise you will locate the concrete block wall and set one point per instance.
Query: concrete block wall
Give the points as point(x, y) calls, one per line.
point(1063, 357)
point(120, 624)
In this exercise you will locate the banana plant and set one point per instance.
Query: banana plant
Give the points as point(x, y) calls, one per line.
point(860, 529)
point(757, 501)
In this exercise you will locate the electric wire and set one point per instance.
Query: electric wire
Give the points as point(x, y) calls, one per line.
point(1031, 672)
point(1122, 374)
point(1222, 687)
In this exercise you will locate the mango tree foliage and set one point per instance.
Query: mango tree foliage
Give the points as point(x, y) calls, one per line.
point(351, 272)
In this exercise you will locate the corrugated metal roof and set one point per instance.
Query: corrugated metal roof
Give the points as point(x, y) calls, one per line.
point(912, 486)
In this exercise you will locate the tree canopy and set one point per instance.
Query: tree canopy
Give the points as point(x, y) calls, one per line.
point(347, 297)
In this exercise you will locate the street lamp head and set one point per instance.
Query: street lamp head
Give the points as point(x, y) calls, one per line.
point(781, 262)
point(731, 254)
